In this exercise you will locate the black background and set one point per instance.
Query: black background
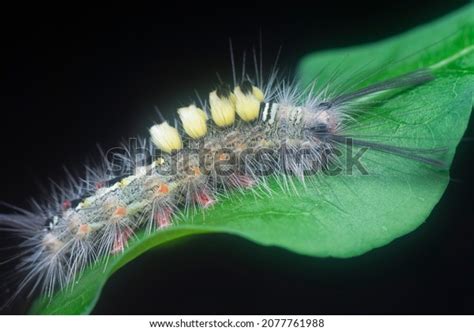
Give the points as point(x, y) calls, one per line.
point(74, 77)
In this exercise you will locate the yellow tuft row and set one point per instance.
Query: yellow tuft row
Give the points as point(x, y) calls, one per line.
point(244, 101)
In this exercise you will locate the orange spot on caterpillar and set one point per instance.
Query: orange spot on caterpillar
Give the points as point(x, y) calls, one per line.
point(163, 188)
point(83, 230)
point(99, 185)
point(120, 211)
point(197, 171)
point(223, 157)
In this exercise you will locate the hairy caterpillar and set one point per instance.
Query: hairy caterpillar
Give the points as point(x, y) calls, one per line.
point(234, 140)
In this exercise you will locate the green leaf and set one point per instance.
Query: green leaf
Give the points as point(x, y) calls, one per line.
point(345, 215)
